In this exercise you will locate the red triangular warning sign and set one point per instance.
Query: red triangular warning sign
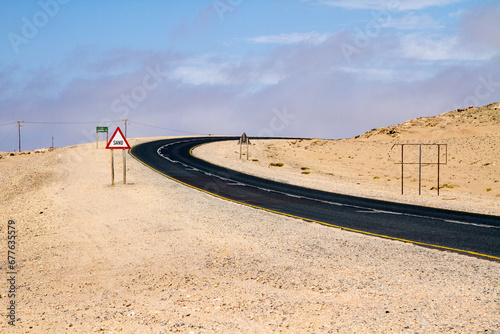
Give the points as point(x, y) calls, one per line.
point(118, 141)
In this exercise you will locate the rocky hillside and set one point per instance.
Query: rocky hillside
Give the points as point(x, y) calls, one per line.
point(470, 122)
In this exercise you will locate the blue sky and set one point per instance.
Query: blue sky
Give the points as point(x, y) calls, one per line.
point(312, 68)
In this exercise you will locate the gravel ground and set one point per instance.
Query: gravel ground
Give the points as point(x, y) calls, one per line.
point(155, 256)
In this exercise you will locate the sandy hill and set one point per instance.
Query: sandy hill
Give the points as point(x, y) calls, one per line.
point(470, 122)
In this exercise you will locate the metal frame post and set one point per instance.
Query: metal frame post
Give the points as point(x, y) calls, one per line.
point(402, 167)
point(420, 169)
point(439, 146)
point(420, 163)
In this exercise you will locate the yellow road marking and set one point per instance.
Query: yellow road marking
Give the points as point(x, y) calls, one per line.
point(308, 219)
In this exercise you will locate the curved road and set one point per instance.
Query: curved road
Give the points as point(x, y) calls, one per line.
point(463, 232)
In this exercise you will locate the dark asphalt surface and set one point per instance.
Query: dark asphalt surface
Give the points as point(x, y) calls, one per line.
point(466, 232)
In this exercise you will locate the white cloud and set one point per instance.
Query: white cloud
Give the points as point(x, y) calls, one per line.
point(199, 75)
point(293, 38)
point(401, 5)
point(384, 74)
point(412, 21)
point(425, 47)
point(206, 71)
point(457, 13)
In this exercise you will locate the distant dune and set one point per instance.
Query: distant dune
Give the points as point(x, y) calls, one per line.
point(470, 122)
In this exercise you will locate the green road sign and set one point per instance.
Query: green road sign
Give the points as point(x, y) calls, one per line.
point(101, 129)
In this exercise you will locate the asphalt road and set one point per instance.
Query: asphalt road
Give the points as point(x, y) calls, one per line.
point(469, 233)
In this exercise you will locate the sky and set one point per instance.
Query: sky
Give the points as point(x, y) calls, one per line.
point(301, 68)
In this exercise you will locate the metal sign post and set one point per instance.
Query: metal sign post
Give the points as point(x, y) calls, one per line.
point(124, 168)
point(420, 163)
point(112, 168)
point(97, 130)
point(118, 142)
point(244, 140)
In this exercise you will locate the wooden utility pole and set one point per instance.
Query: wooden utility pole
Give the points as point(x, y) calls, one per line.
point(19, 131)
point(126, 122)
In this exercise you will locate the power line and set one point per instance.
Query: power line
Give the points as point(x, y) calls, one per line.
point(7, 136)
point(72, 122)
point(127, 121)
point(162, 128)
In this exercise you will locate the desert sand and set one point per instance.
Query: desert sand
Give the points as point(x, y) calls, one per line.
point(366, 166)
point(154, 256)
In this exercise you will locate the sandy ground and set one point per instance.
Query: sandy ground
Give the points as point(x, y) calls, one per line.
point(366, 166)
point(154, 256)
